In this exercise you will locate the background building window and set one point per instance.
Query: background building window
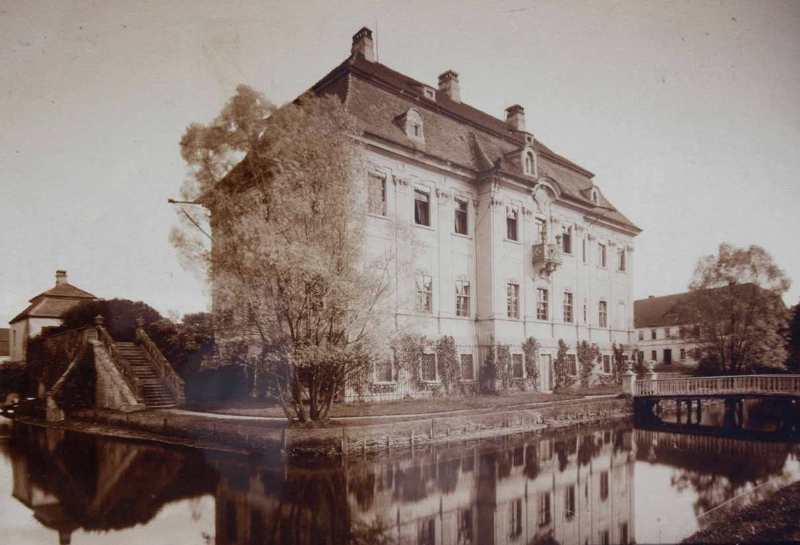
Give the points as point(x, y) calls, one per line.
point(601, 255)
point(383, 370)
point(512, 300)
point(568, 307)
point(511, 223)
point(429, 367)
point(516, 366)
point(566, 241)
point(376, 195)
point(603, 314)
point(541, 304)
point(606, 364)
point(462, 298)
point(465, 533)
point(467, 368)
point(544, 509)
point(641, 335)
point(654, 355)
point(529, 163)
point(572, 364)
point(583, 250)
point(516, 519)
point(569, 502)
point(461, 217)
point(683, 354)
point(603, 485)
point(621, 264)
point(422, 208)
point(653, 334)
point(541, 230)
point(585, 312)
point(424, 293)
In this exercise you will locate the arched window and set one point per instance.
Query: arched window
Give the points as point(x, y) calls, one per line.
point(594, 196)
point(412, 125)
point(529, 163)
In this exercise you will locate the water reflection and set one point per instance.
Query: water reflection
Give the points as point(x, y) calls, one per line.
point(574, 488)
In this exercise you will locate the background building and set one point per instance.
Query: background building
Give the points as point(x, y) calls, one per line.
point(45, 310)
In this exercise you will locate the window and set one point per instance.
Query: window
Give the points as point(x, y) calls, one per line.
point(606, 364)
point(566, 241)
point(462, 298)
point(516, 366)
point(621, 264)
point(467, 368)
point(376, 195)
point(572, 364)
point(541, 304)
point(512, 215)
point(623, 533)
point(544, 509)
point(653, 334)
point(518, 456)
point(569, 502)
point(603, 314)
point(594, 196)
point(383, 370)
point(603, 485)
point(512, 300)
point(601, 255)
point(641, 335)
point(422, 208)
point(683, 354)
point(541, 230)
point(654, 355)
point(516, 519)
point(583, 250)
point(429, 367)
point(465, 534)
point(426, 531)
point(568, 307)
point(585, 312)
point(605, 538)
point(461, 217)
point(529, 163)
point(424, 293)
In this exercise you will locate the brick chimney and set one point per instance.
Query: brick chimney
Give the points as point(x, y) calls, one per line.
point(448, 84)
point(363, 44)
point(61, 277)
point(515, 117)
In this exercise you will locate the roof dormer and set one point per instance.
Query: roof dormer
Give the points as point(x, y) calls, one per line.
point(412, 125)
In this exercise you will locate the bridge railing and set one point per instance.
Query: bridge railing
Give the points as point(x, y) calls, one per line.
point(746, 384)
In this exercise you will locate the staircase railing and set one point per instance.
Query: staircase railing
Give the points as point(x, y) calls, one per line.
point(749, 384)
point(162, 367)
point(121, 363)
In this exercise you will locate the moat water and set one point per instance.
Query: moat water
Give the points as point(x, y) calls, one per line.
point(610, 484)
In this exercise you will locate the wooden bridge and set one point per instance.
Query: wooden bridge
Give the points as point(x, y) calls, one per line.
point(740, 386)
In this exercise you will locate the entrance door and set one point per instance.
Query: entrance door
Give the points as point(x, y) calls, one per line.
point(667, 356)
point(546, 372)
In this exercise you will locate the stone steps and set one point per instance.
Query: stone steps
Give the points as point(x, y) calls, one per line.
point(155, 393)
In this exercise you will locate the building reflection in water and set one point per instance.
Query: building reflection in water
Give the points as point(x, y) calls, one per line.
point(567, 489)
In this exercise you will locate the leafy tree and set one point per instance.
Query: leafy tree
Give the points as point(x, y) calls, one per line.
point(287, 265)
point(447, 357)
point(793, 363)
point(620, 365)
point(531, 350)
point(738, 317)
point(563, 377)
point(587, 355)
point(119, 316)
point(503, 355)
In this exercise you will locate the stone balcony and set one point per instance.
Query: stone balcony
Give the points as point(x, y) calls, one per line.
point(546, 257)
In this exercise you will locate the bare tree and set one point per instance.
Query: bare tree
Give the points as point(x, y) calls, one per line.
point(292, 283)
point(737, 316)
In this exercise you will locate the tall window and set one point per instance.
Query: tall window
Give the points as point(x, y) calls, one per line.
point(623, 533)
point(583, 250)
point(465, 533)
point(621, 262)
point(572, 364)
point(376, 196)
point(683, 354)
point(605, 538)
point(426, 531)
point(654, 355)
point(424, 293)
point(603, 314)
point(383, 370)
point(603, 485)
point(428, 364)
point(641, 335)
point(541, 304)
point(566, 241)
point(467, 367)
point(601, 254)
point(568, 307)
point(422, 208)
point(541, 230)
point(516, 366)
point(512, 215)
point(461, 217)
point(653, 334)
point(516, 519)
point(544, 509)
point(606, 364)
point(529, 163)
point(512, 300)
point(585, 312)
point(569, 502)
point(462, 298)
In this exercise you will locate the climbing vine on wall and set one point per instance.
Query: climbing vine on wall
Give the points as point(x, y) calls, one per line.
point(587, 354)
point(488, 374)
point(504, 365)
point(409, 350)
point(447, 357)
point(620, 365)
point(531, 350)
point(560, 365)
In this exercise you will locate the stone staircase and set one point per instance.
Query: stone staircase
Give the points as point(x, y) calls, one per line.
point(154, 392)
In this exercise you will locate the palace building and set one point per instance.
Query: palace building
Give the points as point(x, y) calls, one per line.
point(512, 240)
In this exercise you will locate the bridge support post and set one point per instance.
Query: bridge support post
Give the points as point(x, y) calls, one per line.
point(628, 380)
point(699, 409)
point(679, 406)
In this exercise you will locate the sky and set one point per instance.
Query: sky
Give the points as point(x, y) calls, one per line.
point(688, 113)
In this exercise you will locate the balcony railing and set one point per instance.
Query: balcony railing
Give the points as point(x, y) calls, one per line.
point(740, 384)
point(546, 257)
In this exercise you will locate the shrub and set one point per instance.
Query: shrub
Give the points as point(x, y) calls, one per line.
point(119, 316)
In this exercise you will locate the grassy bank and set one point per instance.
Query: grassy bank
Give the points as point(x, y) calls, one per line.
point(776, 519)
